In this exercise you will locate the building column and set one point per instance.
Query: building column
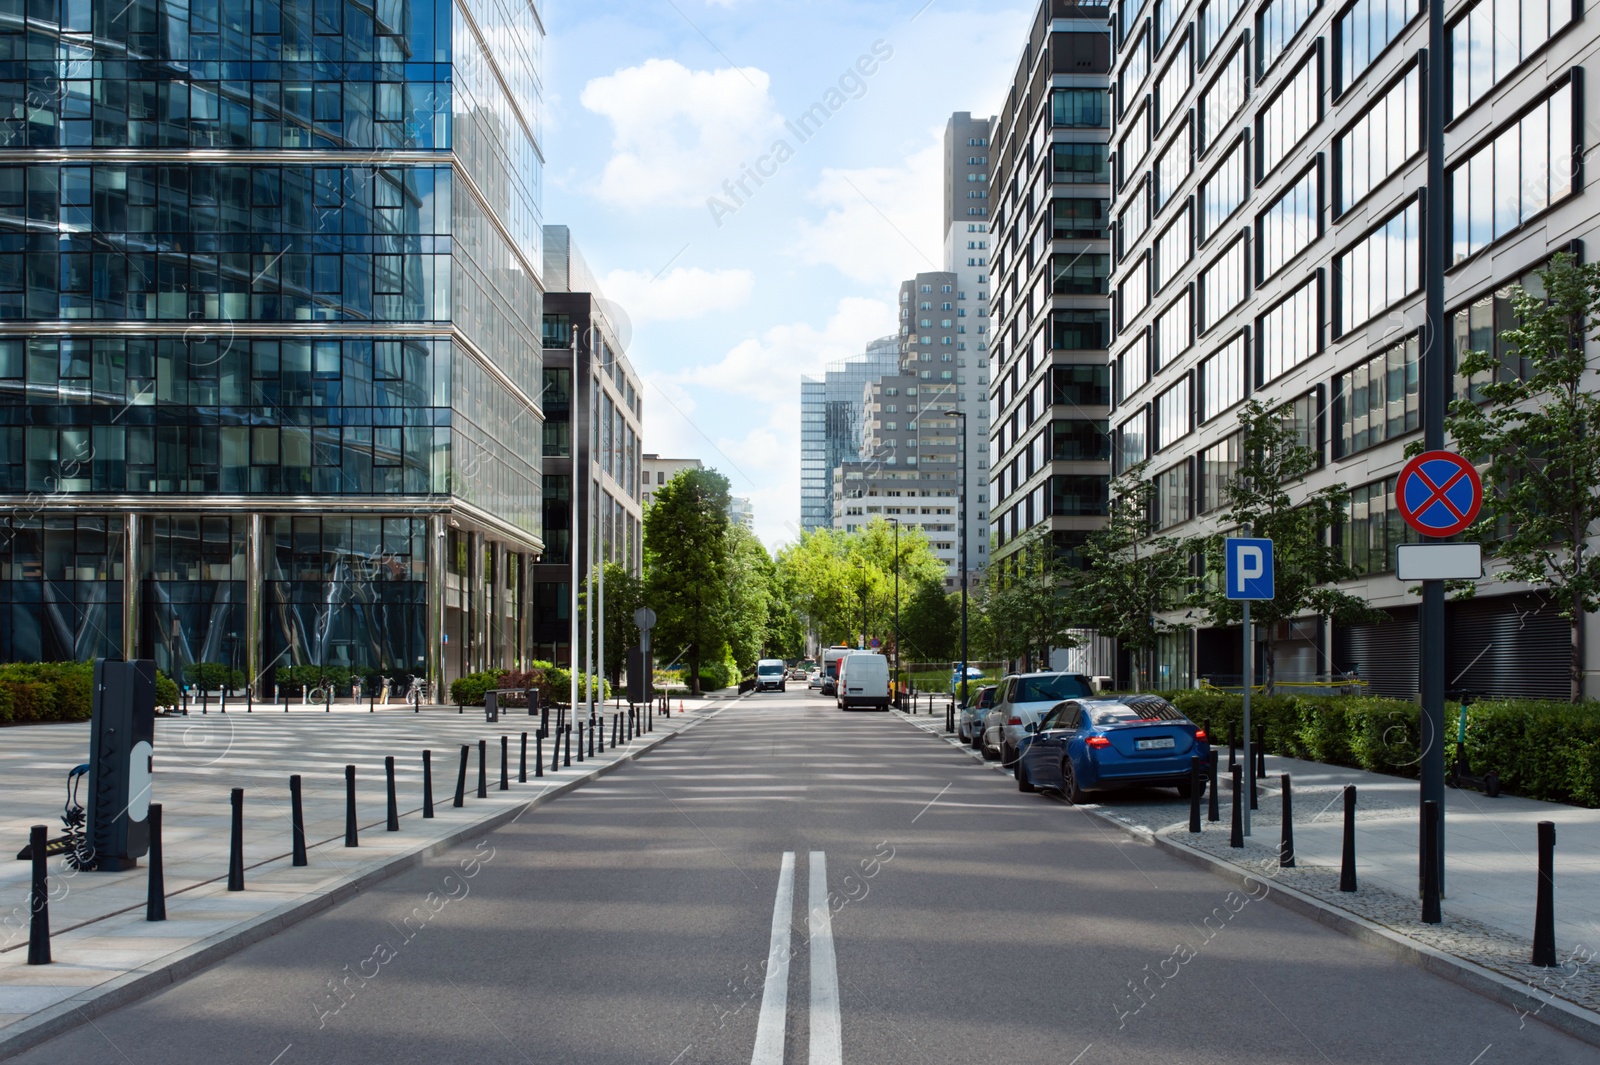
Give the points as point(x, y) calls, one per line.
point(500, 630)
point(435, 628)
point(255, 603)
point(132, 548)
point(477, 605)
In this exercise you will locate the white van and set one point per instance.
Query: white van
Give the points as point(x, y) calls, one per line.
point(830, 668)
point(863, 681)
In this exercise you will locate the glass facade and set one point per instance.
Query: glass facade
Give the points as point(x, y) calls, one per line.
point(258, 332)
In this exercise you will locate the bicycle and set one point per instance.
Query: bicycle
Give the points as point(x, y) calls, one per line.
point(416, 693)
point(321, 695)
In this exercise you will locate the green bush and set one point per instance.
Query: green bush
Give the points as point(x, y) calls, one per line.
point(714, 675)
point(293, 680)
point(469, 690)
point(31, 700)
point(213, 676)
point(166, 691)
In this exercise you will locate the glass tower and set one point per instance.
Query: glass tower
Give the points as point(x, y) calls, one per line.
point(269, 306)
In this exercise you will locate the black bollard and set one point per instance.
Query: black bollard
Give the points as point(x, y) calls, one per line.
point(297, 821)
point(616, 729)
point(593, 728)
point(600, 731)
point(393, 824)
point(1236, 836)
point(630, 724)
point(155, 903)
point(538, 754)
point(39, 898)
point(1261, 753)
point(1430, 863)
point(350, 839)
point(505, 763)
point(1253, 797)
point(1233, 750)
point(1211, 804)
point(427, 784)
point(522, 761)
point(1347, 862)
point(1194, 793)
point(236, 842)
point(580, 742)
point(461, 777)
point(1544, 913)
point(483, 769)
point(566, 758)
point(1286, 844)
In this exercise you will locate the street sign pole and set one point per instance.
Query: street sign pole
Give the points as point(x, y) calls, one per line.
point(1248, 574)
point(1249, 675)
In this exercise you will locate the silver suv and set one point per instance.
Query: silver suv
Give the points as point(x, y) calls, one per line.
point(1021, 700)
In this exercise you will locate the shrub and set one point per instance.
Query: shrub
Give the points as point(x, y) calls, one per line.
point(31, 700)
point(166, 691)
point(469, 690)
point(213, 676)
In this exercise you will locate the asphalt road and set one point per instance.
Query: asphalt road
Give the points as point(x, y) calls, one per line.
point(635, 921)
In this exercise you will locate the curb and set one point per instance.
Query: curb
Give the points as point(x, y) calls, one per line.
point(120, 991)
point(1566, 1017)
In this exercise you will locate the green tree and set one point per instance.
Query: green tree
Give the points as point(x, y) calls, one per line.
point(1259, 502)
point(831, 574)
point(686, 579)
point(1539, 434)
point(1131, 579)
point(930, 624)
point(1027, 602)
point(786, 628)
point(624, 594)
point(749, 577)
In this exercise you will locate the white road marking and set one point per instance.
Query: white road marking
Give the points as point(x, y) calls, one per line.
point(775, 995)
point(825, 1041)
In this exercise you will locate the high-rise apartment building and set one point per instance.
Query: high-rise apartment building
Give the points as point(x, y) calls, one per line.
point(1049, 389)
point(593, 403)
point(1269, 166)
point(831, 426)
point(271, 296)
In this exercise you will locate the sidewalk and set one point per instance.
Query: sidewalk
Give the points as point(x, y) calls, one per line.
point(1491, 864)
point(105, 952)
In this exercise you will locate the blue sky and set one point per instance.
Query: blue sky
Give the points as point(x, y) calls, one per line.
point(655, 107)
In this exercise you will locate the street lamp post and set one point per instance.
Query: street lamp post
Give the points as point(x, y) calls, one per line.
point(962, 510)
point(896, 523)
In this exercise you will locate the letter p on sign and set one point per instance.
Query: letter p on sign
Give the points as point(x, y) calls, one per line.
point(1249, 568)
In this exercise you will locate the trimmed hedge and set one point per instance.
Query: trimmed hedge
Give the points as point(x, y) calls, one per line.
point(554, 684)
point(58, 691)
point(1543, 750)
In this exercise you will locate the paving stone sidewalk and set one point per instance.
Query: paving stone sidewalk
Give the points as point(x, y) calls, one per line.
point(100, 937)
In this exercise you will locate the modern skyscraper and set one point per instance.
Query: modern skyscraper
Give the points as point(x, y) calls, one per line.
point(830, 424)
point(270, 361)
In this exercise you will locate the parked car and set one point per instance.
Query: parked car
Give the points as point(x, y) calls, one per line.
point(969, 724)
point(830, 668)
point(1021, 701)
point(1088, 745)
point(814, 679)
point(863, 681)
point(770, 675)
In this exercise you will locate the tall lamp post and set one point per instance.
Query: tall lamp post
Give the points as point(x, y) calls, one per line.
point(896, 523)
point(962, 509)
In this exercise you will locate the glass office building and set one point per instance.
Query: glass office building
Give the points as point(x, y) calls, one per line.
point(831, 425)
point(269, 312)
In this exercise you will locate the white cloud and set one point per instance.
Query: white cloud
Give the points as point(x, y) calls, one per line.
point(882, 223)
point(768, 368)
point(677, 133)
point(683, 292)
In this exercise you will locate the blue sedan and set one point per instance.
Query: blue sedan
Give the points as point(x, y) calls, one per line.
point(1085, 745)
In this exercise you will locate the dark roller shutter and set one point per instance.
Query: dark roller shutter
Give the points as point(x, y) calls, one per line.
point(1384, 654)
point(1511, 645)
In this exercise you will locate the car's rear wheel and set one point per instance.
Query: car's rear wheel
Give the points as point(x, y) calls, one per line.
point(1069, 783)
point(1024, 783)
point(989, 753)
point(1008, 755)
point(1184, 790)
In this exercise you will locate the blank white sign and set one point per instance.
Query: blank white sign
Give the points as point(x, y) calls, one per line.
point(1438, 562)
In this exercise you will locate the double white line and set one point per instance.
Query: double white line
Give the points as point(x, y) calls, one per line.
point(825, 1043)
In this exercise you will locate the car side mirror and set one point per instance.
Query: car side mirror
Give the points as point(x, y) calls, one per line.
point(1030, 727)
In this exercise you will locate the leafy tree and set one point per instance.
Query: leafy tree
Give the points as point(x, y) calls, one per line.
point(1026, 600)
point(930, 624)
point(1132, 578)
point(1539, 433)
point(786, 628)
point(624, 594)
point(686, 582)
point(749, 577)
point(1259, 503)
point(830, 572)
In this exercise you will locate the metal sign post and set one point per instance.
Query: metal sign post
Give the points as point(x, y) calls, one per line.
point(1248, 575)
point(644, 619)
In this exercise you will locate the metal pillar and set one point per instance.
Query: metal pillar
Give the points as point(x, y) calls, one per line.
point(255, 611)
point(132, 549)
point(438, 543)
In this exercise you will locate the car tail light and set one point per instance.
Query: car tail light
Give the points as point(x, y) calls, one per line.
point(1013, 720)
point(1097, 741)
point(1200, 735)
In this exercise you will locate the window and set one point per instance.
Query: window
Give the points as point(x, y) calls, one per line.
point(1290, 223)
point(1079, 330)
point(1219, 464)
point(1080, 441)
point(1276, 25)
point(1224, 97)
point(1174, 248)
point(1133, 367)
point(1380, 269)
point(1133, 220)
point(1222, 284)
point(1134, 70)
point(1133, 295)
point(1079, 495)
point(1078, 108)
point(1132, 435)
point(1361, 33)
point(1289, 333)
point(1379, 141)
point(1173, 83)
point(1481, 326)
point(1166, 20)
point(1172, 496)
point(1224, 189)
point(1377, 399)
point(1221, 383)
point(1523, 169)
point(1173, 414)
point(1081, 386)
point(1134, 146)
point(1174, 330)
point(1493, 38)
point(1175, 163)
point(1215, 18)
point(1289, 116)
point(1080, 219)
point(1083, 274)
point(1079, 164)
point(1373, 528)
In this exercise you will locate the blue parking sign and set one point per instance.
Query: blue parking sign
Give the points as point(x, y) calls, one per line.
point(1249, 567)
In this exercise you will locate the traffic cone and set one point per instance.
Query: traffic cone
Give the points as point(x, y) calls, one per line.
point(680, 704)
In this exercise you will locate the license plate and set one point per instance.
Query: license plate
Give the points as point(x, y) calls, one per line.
point(1165, 743)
